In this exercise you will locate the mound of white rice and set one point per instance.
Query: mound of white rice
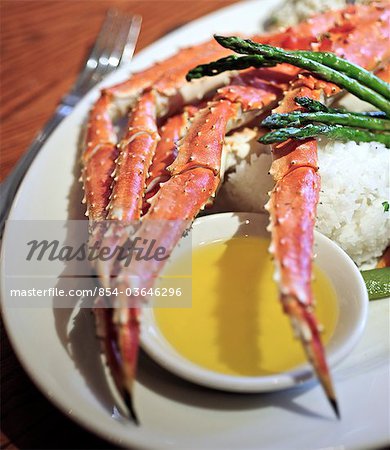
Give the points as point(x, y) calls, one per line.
point(354, 184)
point(292, 12)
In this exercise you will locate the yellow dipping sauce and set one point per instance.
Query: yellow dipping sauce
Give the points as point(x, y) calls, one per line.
point(236, 325)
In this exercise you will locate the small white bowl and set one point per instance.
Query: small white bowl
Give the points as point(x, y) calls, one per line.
point(350, 291)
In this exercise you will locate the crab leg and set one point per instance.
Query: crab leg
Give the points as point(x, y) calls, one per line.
point(136, 151)
point(166, 152)
point(122, 371)
point(293, 204)
point(292, 209)
point(98, 160)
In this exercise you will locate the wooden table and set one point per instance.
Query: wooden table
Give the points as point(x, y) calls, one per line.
point(43, 44)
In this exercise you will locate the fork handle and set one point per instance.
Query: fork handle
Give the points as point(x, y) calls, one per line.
point(9, 187)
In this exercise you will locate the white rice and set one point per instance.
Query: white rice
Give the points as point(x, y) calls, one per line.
point(354, 183)
point(247, 188)
point(292, 12)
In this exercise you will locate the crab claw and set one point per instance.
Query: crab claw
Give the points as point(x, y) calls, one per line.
point(305, 326)
point(118, 331)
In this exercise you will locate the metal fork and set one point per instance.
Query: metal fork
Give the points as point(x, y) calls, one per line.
point(113, 47)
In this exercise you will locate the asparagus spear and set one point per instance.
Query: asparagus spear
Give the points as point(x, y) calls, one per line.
point(364, 76)
point(279, 55)
point(235, 62)
point(377, 282)
point(315, 105)
point(330, 60)
point(333, 131)
point(298, 118)
point(232, 62)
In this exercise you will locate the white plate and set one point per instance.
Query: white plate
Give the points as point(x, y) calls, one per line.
point(61, 355)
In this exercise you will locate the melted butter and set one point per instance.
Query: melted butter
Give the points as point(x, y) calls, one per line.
point(236, 325)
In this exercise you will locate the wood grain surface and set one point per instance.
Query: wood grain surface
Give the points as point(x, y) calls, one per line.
point(43, 46)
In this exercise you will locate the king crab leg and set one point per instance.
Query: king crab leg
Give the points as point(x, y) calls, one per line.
point(171, 132)
point(293, 203)
point(292, 209)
